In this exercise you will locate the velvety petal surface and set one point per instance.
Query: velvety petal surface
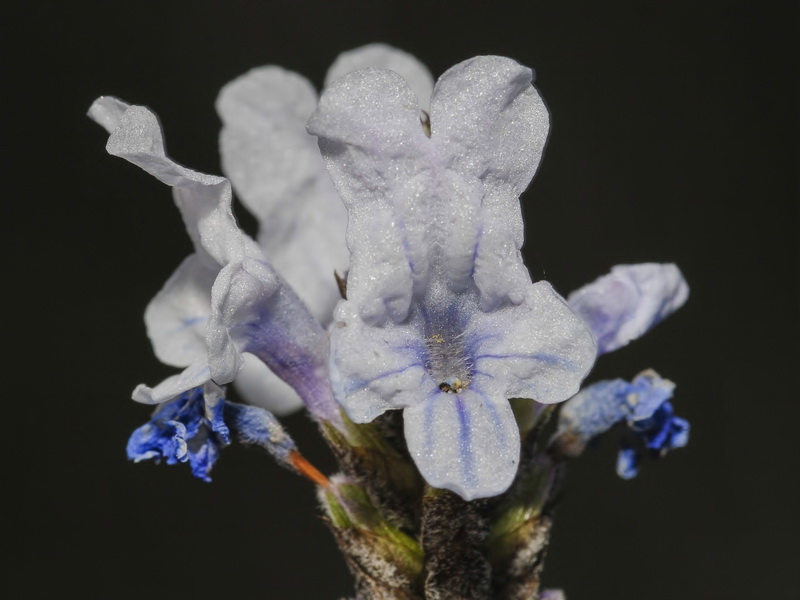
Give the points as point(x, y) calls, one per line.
point(538, 349)
point(381, 56)
point(372, 139)
point(487, 115)
point(466, 442)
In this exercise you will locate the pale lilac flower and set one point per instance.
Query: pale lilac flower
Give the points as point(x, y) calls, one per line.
point(278, 174)
point(441, 317)
point(225, 299)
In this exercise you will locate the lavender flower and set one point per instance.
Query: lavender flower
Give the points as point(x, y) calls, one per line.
point(441, 317)
point(225, 299)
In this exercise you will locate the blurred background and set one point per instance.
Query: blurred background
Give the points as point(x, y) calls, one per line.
point(674, 139)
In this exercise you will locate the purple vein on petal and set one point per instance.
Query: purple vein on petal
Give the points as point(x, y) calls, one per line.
point(360, 384)
point(465, 444)
point(492, 411)
point(545, 358)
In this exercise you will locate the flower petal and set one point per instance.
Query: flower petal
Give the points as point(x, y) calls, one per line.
point(191, 377)
point(489, 117)
point(277, 172)
point(629, 301)
point(643, 403)
point(189, 429)
point(492, 119)
point(381, 56)
point(374, 369)
point(176, 317)
point(259, 386)
point(464, 442)
point(539, 349)
point(203, 200)
point(253, 310)
point(372, 140)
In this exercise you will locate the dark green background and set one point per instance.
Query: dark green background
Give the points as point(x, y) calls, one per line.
point(674, 138)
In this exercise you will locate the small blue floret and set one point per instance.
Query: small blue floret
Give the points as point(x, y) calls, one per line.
point(187, 429)
point(643, 404)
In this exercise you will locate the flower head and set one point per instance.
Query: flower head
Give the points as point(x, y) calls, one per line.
point(441, 318)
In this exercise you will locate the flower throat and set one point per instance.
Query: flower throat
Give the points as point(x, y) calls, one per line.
point(448, 363)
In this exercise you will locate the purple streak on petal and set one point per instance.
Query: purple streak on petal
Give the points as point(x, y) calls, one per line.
point(465, 443)
point(548, 359)
point(491, 407)
point(359, 384)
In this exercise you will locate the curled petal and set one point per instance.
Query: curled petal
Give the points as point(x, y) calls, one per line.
point(464, 442)
point(204, 200)
point(193, 376)
point(598, 407)
point(626, 303)
point(254, 311)
point(190, 429)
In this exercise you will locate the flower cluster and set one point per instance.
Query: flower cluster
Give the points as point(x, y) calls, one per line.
point(386, 276)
